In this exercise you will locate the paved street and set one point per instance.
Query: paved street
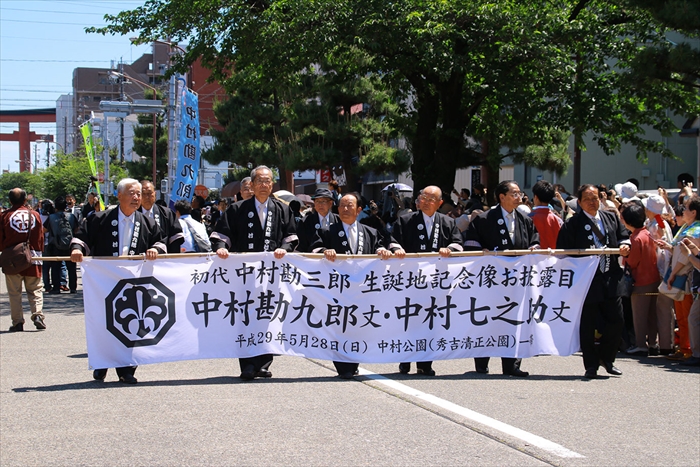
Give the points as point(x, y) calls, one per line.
point(200, 413)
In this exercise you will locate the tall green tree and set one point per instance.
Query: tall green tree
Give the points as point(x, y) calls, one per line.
point(29, 182)
point(499, 72)
point(143, 146)
point(71, 174)
point(670, 61)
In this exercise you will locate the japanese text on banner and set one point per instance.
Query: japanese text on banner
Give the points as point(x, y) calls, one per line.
point(362, 310)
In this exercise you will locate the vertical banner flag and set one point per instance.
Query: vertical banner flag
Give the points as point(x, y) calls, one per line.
point(188, 152)
point(86, 131)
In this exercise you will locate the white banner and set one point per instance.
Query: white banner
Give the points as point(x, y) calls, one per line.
point(355, 310)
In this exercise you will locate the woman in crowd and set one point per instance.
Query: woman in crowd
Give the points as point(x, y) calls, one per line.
point(681, 268)
point(642, 264)
point(659, 220)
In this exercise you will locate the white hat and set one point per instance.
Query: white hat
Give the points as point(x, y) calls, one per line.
point(628, 192)
point(655, 204)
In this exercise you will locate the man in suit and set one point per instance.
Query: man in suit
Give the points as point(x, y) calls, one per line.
point(593, 228)
point(502, 228)
point(321, 217)
point(122, 231)
point(260, 223)
point(350, 237)
point(426, 231)
point(163, 217)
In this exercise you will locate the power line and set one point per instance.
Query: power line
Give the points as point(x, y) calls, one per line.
point(31, 90)
point(52, 39)
point(52, 11)
point(48, 61)
point(37, 60)
point(27, 100)
point(48, 22)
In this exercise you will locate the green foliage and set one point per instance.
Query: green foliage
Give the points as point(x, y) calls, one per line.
point(71, 174)
point(143, 146)
point(468, 77)
point(29, 182)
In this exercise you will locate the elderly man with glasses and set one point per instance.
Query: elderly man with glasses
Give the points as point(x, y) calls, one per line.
point(502, 228)
point(426, 231)
point(260, 223)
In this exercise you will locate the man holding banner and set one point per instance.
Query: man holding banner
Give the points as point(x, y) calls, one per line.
point(122, 231)
point(602, 309)
point(350, 237)
point(503, 228)
point(426, 231)
point(163, 217)
point(261, 223)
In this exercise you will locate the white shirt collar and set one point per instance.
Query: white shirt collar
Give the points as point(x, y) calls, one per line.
point(427, 219)
point(258, 203)
point(596, 217)
point(506, 213)
point(123, 216)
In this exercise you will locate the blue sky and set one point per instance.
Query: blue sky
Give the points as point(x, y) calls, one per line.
point(41, 42)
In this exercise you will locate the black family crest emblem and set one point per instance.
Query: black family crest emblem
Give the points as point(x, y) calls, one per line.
point(140, 311)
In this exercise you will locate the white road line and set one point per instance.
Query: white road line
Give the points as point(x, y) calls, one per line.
point(534, 440)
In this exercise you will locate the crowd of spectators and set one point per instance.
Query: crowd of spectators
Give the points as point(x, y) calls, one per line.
point(658, 291)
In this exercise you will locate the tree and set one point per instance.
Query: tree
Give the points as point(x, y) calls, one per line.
point(143, 146)
point(71, 174)
point(29, 182)
point(498, 72)
point(669, 61)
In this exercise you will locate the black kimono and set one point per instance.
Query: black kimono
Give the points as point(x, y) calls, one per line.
point(99, 236)
point(239, 230)
point(411, 233)
point(169, 226)
point(488, 231)
point(310, 227)
point(368, 242)
point(602, 308)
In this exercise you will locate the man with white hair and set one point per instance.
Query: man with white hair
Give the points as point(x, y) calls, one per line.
point(260, 223)
point(122, 231)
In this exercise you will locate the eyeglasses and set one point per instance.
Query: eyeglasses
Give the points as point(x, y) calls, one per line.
point(517, 194)
point(259, 182)
point(429, 199)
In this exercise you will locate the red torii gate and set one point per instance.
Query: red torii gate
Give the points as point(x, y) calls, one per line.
point(23, 118)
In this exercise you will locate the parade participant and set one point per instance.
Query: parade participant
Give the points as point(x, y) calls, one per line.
point(136, 234)
point(261, 223)
point(17, 225)
point(502, 228)
point(602, 309)
point(350, 237)
point(426, 231)
point(246, 189)
point(163, 217)
point(321, 217)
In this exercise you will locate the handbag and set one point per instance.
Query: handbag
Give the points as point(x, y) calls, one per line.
point(16, 258)
point(677, 290)
point(626, 284)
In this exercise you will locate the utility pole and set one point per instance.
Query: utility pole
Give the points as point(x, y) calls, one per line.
point(121, 125)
